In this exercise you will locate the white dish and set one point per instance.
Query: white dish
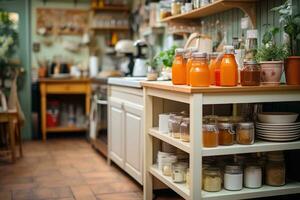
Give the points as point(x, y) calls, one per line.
point(277, 132)
point(277, 117)
point(278, 127)
point(278, 124)
point(278, 136)
point(278, 139)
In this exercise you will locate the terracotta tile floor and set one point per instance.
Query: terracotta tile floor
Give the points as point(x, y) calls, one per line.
point(64, 169)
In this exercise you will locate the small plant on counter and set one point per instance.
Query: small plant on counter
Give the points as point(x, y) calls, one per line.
point(290, 20)
point(166, 57)
point(271, 56)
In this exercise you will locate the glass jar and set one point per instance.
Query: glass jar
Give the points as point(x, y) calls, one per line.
point(210, 134)
point(253, 176)
point(212, 181)
point(229, 68)
point(189, 63)
point(171, 121)
point(212, 67)
point(226, 134)
point(188, 178)
point(250, 74)
point(275, 169)
point(176, 126)
point(167, 165)
point(179, 172)
point(176, 7)
point(233, 177)
point(199, 73)
point(245, 133)
point(179, 68)
point(164, 13)
point(185, 129)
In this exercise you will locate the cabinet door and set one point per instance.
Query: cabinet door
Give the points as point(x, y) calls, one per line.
point(116, 131)
point(134, 140)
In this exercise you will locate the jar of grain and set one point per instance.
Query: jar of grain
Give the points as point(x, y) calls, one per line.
point(275, 169)
point(226, 134)
point(176, 7)
point(167, 165)
point(179, 172)
point(185, 129)
point(212, 181)
point(176, 126)
point(245, 133)
point(233, 177)
point(210, 134)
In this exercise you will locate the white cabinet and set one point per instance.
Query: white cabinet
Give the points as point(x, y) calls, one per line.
point(125, 130)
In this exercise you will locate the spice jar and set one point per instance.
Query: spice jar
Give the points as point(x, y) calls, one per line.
point(212, 181)
point(185, 129)
point(275, 169)
point(226, 134)
point(167, 165)
point(253, 176)
point(179, 172)
point(210, 135)
point(176, 126)
point(250, 74)
point(233, 177)
point(176, 7)
point(245, 133)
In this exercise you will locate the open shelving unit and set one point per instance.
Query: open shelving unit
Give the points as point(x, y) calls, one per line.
point(155, 93)
point(247, 6)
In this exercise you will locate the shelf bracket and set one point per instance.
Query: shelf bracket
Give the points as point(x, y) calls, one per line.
point(249, 8)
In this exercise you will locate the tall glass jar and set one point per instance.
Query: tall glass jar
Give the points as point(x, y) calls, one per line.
point(199, 73)
point(210, 134)
point(229, 68)
point(212, 181)
point(179, 172)
point(176, 7)
point(176, 126)
point(245, 133)
point(250, 74)
point(185, 129)
point(275, 169)
point(233, 177)
point(226, 134)
point(179, 68)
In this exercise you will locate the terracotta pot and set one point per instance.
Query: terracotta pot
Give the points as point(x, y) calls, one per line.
point(292, 70)
point(271, 72)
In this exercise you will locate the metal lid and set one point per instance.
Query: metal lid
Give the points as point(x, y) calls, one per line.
point(246, 125)
point(233, 168)
point(179, 51)
point(225, 125)
point(199, 55)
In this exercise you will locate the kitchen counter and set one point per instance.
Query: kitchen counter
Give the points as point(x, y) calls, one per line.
point(134, 82)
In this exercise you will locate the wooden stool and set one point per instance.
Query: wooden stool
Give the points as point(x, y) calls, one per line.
point(10, 119)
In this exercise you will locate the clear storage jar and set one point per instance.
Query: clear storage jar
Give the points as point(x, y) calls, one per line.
point(179, 172)
point(176, 7)
point(176, 126)
point(167, 165)
point(210, 135)
point(171, 121)
point(275, 169)
point(185, 129)
point(253, 176)
point(245, 133)
point(212, 181)
point(226, 134)
point(233, 177)
point(250, 74)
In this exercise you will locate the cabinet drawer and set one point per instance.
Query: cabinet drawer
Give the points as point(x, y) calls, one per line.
point(66, 88)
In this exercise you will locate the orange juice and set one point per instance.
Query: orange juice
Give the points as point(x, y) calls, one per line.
point(189, 64)
point(212, 67)
point(179, 68)
point(228, 68)
point(199, 74)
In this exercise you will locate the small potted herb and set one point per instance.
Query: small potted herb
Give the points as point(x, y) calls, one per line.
point(152, 73)
point(271, 56)
point(290, 20)
point(165, 59)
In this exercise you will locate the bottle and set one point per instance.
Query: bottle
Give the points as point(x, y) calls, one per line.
point(212, 67)
point(228, 68)
point(199, 73)
point(179, 68)
point(217, 70)
point(189, 64)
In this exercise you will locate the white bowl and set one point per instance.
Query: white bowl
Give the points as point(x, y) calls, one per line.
point(277, 117)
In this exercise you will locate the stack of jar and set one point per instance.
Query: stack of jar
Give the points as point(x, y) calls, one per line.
point(227, 133)
point(234, 176)
point(179, 126)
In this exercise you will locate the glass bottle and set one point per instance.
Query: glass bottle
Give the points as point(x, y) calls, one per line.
point(212, 67)
point(199, 74)
point(229, 68)
point(185, 129)
point(179, 68)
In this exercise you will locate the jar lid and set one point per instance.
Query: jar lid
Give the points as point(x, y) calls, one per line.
point(250, 62)
point(212, 171)
point(210, 127)
point(179, 51)
point(213, 55)
point(199, 55)
point(233, 168)
point(225, 125)
point(246, 125)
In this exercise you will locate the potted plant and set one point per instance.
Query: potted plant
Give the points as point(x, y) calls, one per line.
point(290, 20)
point(165, 59)
point(152, 72)
point(271, 56)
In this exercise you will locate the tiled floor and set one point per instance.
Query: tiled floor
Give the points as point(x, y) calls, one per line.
point(64, 169)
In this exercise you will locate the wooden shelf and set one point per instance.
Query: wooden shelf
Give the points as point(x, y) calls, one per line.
point(110, 28)
point(65, 129)
point(248, 6)
point(184, 146)
point(112, 8)
point(179, 188)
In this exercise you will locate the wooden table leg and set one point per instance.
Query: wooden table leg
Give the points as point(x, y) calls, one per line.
point(19, 135)
point(43, 111)
point(12, 140)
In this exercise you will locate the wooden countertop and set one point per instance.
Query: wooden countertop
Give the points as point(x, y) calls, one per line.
point(168, 86)
point(65, 80)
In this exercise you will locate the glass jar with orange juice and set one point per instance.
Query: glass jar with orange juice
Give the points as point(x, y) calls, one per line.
point(228, 68)
point(189, 63)
point(199, 73)
point(179, 68)
point(212, 67)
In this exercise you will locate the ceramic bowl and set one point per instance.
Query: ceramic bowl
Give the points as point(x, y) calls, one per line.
point(277, 117)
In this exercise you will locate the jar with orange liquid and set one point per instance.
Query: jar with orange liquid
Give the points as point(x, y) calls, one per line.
point(212, 67)
point(228, 68)
point(199, 73)
point(189, 64)
point(179, 68)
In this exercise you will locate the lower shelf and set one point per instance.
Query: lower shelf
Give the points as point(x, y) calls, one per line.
point(245, 193)
point(66, 129)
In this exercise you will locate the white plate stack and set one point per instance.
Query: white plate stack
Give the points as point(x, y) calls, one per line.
point(278, 127)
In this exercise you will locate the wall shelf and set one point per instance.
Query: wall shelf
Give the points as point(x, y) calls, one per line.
point(111, 8)
point(247, 6)
point(109, 28)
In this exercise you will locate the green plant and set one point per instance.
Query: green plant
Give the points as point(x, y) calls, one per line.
point(290, 20)
point(270, 51)
point(166, 57)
